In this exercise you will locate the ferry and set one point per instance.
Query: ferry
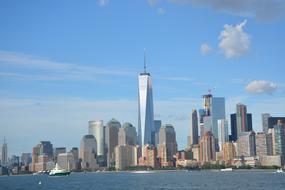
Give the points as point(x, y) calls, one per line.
point(227, 170)
point(57, 171)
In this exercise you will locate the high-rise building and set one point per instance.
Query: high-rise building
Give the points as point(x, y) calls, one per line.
point(246, 144)
point(157, 125)
point(279, 140)
point(75, 152)
point(66, 161)
point(241, 118)
point(274, 121)
point(229, 152)
point(111, 140)
point(223, 134)
point(4, 154)
point(127, 135)
point(145, 109)
point(88, 153)
point(57, 151)
point(193, 136)
point(125, 156)
point(263, 144)
point(214, 109)
point(26, 159)
point(264, 117)
point(167, 146)
point(96, 128)
point(207, 148)
point(42, 157)
point(234, 129)
point(150, 156)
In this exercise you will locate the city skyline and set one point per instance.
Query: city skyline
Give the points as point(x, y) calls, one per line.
point(59, 71)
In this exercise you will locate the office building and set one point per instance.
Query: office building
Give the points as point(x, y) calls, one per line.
point(111, 140)
point(274, 121)
point(127, 135)
point(88, 153)
point(96, 128)
point(57, 151)
point(278, 137)
point(207, 148)
point(264, 117)
point(4, 154)
point(26, 159)
point(193, 135)
point(42, 157)
point(66, 161)
point(223, 134)
point(146, 116)
point(263, 144)
point(214, 109)
point(167, 146)
point(246, 144)
point(157, 125)
point(150, 156)
point(126, 156)
point(234, 129)
point(228, 152)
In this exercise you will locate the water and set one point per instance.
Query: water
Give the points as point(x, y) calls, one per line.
point(160, 180)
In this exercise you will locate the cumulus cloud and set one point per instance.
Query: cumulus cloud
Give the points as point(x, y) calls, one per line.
point(103, 3)
point(234, 42)
point(260, 87)
point(260, 9)
point(205, 49)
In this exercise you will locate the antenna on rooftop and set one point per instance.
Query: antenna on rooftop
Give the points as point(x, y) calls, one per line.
point(144, 61)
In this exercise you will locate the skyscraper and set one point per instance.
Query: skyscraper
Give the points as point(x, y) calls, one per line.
point(264, 117)
point(193, 136)
point(263, 144)
point(88, 152)
point(222, 132)
point(96, 129)
point(127, 135)
point(4, 155)
point(207, 148)
point(279, 140)
point(145, 109)
point(241, 119)
point(111, 140)
point(213, 110)
point(246, 144)
point(167, 146)
point(157, 125)
point(234, 128)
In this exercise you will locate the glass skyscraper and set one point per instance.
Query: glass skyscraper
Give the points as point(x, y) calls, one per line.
point(145, 112)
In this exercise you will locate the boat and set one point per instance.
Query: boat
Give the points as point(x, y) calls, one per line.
point(57, 171)
point(279, 170)
point(142, 172)
point(227, 170)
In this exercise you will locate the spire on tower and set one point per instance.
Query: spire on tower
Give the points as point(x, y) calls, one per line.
point(144, 61)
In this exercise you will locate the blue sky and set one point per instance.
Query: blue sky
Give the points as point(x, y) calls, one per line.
point(63, 63)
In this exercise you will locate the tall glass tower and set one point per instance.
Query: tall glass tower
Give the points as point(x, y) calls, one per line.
point(145, 117)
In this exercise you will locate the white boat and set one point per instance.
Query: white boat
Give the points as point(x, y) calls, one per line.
point(57, 171)
point(142, 172)
point(279, 170)
point(227, 170)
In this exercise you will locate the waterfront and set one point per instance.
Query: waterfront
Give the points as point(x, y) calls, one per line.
point(159, 180)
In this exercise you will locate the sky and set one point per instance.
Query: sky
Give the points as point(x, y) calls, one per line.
point(65, 62)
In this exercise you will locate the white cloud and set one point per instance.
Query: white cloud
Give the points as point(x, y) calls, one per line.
point(47, 69)
point(205, 49)
point(161, 11)
point(260, 9)
point(103, 3)
point(260, 87)
point(234, 42)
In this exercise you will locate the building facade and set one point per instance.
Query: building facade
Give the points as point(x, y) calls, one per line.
point(193, 136)
point(145, 110)
point(88, 153)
